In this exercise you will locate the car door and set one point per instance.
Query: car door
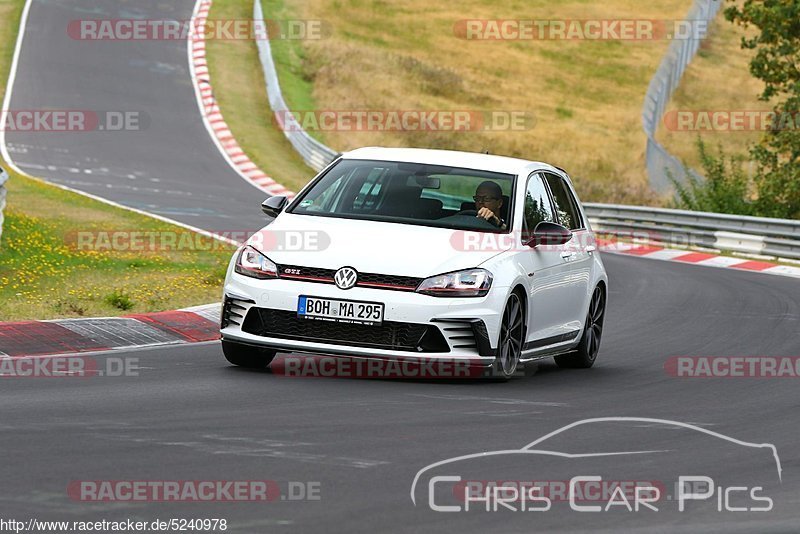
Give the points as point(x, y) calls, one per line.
point(547, 270)
point(576, 253)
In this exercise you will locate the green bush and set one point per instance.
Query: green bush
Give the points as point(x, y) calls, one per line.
point(725, 189)
point(119, 300)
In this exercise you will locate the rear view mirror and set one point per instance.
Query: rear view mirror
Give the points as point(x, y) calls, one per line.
point(428, 182)
point(547, 233)
point(273, 205)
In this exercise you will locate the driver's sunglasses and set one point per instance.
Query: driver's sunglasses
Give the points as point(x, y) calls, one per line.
point(484, 200)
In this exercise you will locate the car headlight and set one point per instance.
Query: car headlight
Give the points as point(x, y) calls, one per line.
point(469, 283)
point(254, 264)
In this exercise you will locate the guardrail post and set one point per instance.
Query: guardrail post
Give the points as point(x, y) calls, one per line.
point(750, 244)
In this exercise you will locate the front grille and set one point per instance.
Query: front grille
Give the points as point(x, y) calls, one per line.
point(325, 276)
point(467, 334)
point(462, 337)
point(295, 271)
point(410, 337)
point(233, 311)
point(388, 280)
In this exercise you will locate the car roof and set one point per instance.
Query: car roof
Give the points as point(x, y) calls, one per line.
point(467, 160)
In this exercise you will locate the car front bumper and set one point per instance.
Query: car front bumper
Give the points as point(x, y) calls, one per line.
point(455, 318)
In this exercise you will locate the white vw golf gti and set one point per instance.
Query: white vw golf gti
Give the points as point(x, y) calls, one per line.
point(421, 254)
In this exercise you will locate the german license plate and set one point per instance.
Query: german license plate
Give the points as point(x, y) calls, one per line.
point(342, 311)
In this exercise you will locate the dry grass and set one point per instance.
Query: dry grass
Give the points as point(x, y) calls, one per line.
point(717, 80)
point(238, 82)
point(586, 96)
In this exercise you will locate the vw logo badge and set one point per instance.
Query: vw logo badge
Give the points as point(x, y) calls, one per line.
point(345, 278)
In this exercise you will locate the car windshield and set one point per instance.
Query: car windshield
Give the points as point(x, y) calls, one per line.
point(410, 193)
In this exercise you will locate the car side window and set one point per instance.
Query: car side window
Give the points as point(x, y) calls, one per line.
point(537, 203)
point(566, 205)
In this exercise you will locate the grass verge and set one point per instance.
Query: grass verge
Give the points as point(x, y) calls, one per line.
point(718, 80)
point(585, 96)
point(45, 273)
point(66, 255)
point(238, 82)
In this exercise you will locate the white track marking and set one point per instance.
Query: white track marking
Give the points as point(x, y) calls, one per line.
point(4, 149)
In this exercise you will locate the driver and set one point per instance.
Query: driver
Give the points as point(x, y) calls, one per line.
point(488, 201)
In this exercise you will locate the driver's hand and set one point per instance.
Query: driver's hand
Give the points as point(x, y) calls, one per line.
point(486, 213)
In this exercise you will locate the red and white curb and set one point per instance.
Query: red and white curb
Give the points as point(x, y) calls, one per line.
point(69, 336)
point(212, 117)
point(201, 323)
point(656, 252)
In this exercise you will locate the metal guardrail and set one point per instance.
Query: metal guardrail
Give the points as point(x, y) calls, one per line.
point(315, 154)
point(660, 163)
point(3, 179)
point(664, 82)
point(729, 233)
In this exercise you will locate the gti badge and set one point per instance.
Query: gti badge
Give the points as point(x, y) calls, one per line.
point(345, 278)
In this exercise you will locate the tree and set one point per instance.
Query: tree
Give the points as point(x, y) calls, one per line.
point(725, 189)
point(777, 64)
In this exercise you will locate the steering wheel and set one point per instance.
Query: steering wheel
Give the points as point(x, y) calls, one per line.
point(474, 213)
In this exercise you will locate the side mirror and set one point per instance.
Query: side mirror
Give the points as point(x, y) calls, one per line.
point(273, 205)
point(547, 233)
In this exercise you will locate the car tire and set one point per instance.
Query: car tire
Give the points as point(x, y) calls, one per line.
point(586, 352)
point(246, 355)
point(509, 343)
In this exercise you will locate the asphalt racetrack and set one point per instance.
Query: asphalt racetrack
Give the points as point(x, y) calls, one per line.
point(189, 415)
point(166, 163)
point(351, 447)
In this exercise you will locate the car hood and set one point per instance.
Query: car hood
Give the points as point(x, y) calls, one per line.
point(368, 246)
